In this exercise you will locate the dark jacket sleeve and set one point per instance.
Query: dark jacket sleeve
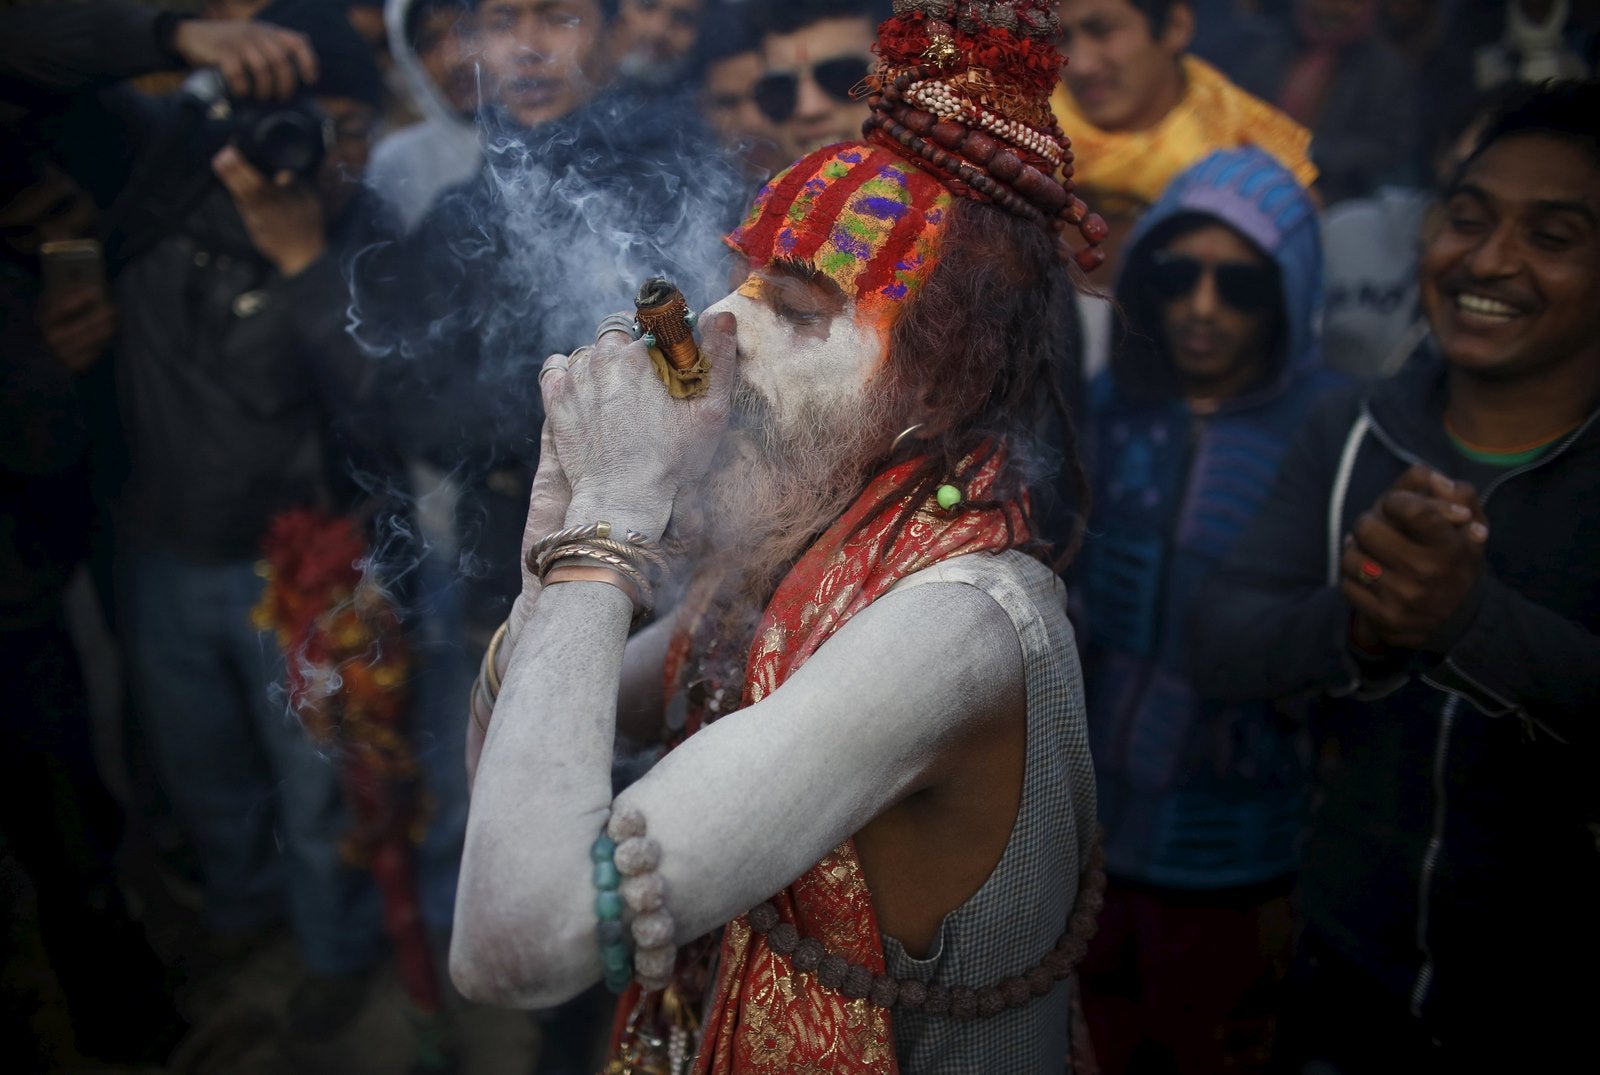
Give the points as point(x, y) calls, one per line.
point(421, 303)
point(317, 303)
point(48, 51)
point(1518, 658)
point(1267, 624)
point(60, 69)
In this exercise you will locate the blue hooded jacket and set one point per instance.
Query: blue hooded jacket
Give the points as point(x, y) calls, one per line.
point(1194, 794)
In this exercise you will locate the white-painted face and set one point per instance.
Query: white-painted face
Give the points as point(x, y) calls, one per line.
point(809, 423)
point(802, 347)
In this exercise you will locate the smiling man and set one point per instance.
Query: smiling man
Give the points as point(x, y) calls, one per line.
point(1426, 569)
point(1214, 369)
point(877, 804)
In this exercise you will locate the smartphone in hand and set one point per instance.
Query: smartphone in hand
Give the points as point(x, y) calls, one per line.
point(67, 265)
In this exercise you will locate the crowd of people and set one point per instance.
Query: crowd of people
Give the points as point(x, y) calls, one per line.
point(278, 285)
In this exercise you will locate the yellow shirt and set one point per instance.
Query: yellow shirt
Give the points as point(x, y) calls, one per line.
point(1122, 172)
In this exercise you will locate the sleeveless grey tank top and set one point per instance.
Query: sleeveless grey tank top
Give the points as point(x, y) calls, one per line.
point(1008, 925)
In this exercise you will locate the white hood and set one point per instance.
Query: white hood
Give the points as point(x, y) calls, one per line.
point(430, 105)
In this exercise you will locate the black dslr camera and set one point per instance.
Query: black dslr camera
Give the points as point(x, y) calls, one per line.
point(274, 136)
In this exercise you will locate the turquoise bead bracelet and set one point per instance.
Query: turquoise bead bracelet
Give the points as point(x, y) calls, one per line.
point(614, 956)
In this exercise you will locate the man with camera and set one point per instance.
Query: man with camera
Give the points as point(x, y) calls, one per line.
point(231, 206)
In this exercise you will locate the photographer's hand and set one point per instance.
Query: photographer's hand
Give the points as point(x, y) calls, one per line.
point(77, 326)
point(256, 59)
point(282, 214)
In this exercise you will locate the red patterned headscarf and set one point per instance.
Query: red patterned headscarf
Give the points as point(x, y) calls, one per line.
point(864, 217)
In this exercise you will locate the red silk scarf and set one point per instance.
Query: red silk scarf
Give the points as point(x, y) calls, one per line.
point(766, 1018)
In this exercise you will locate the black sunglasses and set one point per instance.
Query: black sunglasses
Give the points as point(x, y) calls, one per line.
point(777, 93)
point(1244, 286)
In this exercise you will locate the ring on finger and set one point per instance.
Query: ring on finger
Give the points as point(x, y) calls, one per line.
point(553, 363)
point(624, 323)
point(1369, 572)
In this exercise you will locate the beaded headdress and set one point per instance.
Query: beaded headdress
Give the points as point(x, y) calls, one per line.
point(966, 87)
point(960, 106)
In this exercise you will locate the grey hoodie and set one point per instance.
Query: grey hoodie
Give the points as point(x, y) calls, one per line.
point(411, 166)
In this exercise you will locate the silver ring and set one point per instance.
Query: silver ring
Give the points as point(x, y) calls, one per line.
point(554, 362)
point(624, 323)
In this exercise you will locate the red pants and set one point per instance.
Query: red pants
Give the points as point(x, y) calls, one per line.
point(1186, 983)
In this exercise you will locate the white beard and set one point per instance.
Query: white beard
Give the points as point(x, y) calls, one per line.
point(774, 487)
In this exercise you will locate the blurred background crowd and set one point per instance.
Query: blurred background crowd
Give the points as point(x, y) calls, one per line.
point(275, 281)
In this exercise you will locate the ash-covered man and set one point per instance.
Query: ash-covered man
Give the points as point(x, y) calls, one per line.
point(879, 790)
point(1426, 569)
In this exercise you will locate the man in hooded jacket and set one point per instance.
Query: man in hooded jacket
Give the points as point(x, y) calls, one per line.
point(434, 45)
point(1214, 367)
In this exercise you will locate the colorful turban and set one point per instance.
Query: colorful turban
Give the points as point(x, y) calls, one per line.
point(863, 216)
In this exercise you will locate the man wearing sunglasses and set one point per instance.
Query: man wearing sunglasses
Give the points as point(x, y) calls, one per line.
point(816, 52)
point(1213, 368)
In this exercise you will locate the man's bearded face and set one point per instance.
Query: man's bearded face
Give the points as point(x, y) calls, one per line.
point(811, 419)
point(804, 348)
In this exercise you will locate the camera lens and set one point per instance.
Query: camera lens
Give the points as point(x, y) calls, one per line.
point(284, 140)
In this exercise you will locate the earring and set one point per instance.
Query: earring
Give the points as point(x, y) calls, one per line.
point(904, 433)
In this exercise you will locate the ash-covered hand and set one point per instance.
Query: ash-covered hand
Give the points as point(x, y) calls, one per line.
point(281, 213)
point(626, 446)
point(547, 510)
point(1412, 559)
point(547, 513)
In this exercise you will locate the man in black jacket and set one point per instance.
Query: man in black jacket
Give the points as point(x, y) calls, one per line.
point(1426, 569)
point(242, 397)
point(464, 309)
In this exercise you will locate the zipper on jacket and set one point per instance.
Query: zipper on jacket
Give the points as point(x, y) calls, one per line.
point(1194, 430)
point(1430, 858)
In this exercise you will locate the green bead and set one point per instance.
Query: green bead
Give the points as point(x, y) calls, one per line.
point(648, 339)
point(606, 876)
point(608, 905)
point(604, 848)
point(618, 982)
point(691, 318)
point(948, 496)
point(615, 959)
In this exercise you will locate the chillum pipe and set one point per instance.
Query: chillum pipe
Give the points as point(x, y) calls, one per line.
point(664, 313)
